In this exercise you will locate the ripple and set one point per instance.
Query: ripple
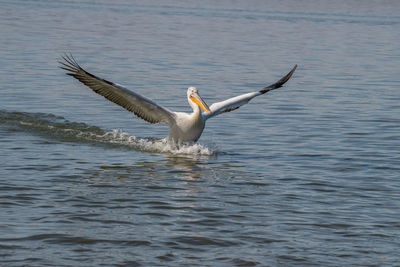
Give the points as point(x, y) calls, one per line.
point(204, 241)
point(53, 238)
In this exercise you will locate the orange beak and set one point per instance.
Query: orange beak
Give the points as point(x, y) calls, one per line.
point(195, 97)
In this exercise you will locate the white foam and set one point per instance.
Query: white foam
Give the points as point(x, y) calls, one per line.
point(150, 145)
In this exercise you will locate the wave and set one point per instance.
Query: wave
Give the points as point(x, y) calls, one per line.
point(57, 127)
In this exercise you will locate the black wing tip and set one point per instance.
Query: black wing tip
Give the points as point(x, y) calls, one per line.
point(67, 62)
point(279, 83)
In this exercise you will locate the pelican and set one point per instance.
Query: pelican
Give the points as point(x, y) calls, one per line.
point(183, 127)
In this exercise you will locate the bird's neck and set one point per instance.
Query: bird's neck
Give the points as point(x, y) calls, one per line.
point(196, 112)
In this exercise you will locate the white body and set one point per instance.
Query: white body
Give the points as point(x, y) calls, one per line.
point(187, 127)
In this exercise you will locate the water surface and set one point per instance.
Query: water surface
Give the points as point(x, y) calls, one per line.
point(306, 175)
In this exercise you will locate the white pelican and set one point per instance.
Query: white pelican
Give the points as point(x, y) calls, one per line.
point(183, 127)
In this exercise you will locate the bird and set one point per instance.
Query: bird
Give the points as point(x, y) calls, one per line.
point(184, 128)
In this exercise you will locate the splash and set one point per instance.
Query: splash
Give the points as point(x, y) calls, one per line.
point(149, 144)
point(56, 127)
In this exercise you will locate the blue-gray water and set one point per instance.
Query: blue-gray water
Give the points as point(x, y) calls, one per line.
point(306, 175)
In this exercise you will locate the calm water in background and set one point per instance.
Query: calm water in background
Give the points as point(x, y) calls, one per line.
point(306, 175)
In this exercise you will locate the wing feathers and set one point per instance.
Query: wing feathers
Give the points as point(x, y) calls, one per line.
point(139, 105)
point(238, 101)
point(279, 83)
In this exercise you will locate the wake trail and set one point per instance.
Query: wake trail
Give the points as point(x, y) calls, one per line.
point(58, 128)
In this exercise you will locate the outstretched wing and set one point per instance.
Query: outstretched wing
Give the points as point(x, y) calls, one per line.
point(139, 105)
point(238, 101)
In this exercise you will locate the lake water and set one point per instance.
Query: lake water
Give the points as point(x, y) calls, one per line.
point(306, 175)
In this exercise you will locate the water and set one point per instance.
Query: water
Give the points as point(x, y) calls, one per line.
point(306, 175)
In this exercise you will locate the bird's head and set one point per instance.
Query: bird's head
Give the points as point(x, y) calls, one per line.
point(195, 99)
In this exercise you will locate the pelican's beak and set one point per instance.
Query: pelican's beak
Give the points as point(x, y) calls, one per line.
point(196, 98)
